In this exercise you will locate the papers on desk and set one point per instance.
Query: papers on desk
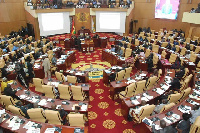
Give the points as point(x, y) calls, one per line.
point(28, 125)
point(79, 73)
point(2, 111)
point(42, 102)
point(84, 107)
point(53, 84)
point(191, 63)
point(194, 97)
point(50, 130)
point(166, 119)
point(107, 71)
point(131, 81)
point(145, 99)
point(147, 121)
point(22, 96)
point(115, 67)
point(12, 123)
point(143, 74)
point(184, 109)
point(193, 102)
point(36, 66)
point(165, 87)
point(147, 96)
point(135, 102)
point(33, 130)
point(138, 78)
point(159, 91)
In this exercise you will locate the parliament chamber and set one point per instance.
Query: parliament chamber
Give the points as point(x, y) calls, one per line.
point(100, 66)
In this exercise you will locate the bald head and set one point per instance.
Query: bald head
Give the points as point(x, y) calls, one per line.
point(143, 102)
point(162, 124)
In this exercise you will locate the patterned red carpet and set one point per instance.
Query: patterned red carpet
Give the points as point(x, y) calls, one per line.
point(104, 114)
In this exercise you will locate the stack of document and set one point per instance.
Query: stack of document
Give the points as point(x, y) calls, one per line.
point(185, 109)
point(53, 84)
point(148, 96)
point(42, 102)
point(165, 87)
point(191, 63)
point(36, 66)
point(79, 73)
point(50, 130)
point(135, 102)
point(22, 96)
point(84, 107)
point(143, 74)
point(159, 91)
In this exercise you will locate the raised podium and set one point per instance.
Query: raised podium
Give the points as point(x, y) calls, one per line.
point(103, 42)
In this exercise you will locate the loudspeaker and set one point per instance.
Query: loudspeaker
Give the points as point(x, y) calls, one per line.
point(135, 21)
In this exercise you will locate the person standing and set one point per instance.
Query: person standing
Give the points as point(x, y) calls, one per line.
point(46, 64)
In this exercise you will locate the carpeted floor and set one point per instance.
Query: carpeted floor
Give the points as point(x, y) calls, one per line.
point(104, 114)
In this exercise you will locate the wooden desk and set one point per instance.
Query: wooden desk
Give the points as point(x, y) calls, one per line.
point(83, 78)
point(111, 58)
point(141, 64)
point(65, 129)
point(67, 108)
point(118, 87)
point(164, 64)
point(87, 46)
point(85, 88)
point(127, 104)
point(103, 42)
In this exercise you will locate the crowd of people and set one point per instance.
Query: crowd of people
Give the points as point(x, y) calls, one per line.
point(58, 4)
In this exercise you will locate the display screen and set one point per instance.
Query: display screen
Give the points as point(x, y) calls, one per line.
point(110, 21)
point(54, 23)
point(167, 9)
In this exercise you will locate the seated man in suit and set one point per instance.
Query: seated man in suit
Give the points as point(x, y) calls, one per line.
point(77, 108)
point(24, 108)
point(175, 84)
point(61, 111)
point(165, 129)
point(195, 113)
point(184, 125)
point(113, 75)
point(160, 106)
point(112, 48)
point(10, 92)
point(198, 9)
point(181, 73)
point(138, 108)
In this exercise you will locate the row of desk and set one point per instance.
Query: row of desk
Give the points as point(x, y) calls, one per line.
point(39, 72)
point(44, 126)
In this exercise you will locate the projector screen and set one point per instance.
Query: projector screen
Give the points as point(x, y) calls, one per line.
point(54, 23)
point(167, 9)
point(110, 22)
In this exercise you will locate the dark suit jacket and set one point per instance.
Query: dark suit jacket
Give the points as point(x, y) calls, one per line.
point(168, 129)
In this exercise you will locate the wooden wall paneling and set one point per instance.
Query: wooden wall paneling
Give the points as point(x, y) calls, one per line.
point(85, 13)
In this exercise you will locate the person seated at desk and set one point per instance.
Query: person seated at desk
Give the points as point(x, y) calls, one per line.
point(195, 42)
point(112, 48)
point(175, 84)
point(176, 43)
point(173, 48)
point(181, 73)
point(198, 9)
point(184, 125)
point(113, 75)
point(8, 91)
point(120, 52)
point(54, 60)
point(138, 108)
point(24, 108)
point(160, 106)
point(14, 58)
point(140, 38)
point(165, 129)
point(37, 55)
point(195, 112)
point(21, 75)
point(192, 10)
point(4, 83)
point(20, 54)
point(177, 64)
point(61, 111)
point(150, 62)
point(15, 47)
point(77, 108)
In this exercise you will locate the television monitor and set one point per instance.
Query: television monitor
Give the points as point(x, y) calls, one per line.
point(167, 9)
